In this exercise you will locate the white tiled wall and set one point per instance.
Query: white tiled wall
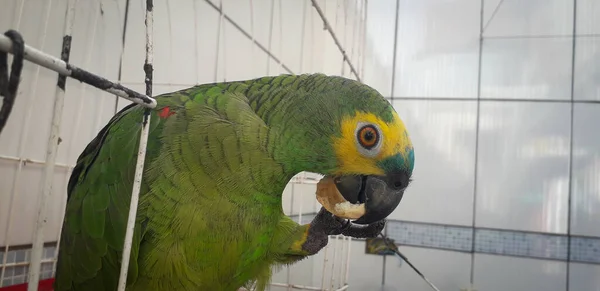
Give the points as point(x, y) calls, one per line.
point(495, 273)
point(443, 134)
point(585, 186)
point(504, 162)
point(526, 68)
point(511, 18)
point(379, 45)
point(437, 52)
point(523, 166)
point(194, 44)
point(583, 277)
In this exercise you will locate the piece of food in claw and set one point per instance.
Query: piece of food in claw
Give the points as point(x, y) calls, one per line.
point(330, 197)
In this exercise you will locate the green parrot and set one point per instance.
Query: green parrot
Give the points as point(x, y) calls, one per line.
point(219, 155)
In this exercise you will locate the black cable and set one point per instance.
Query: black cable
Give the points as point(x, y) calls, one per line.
point(9, 85)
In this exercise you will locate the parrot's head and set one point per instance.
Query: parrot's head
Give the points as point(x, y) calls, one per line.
point(353, 136)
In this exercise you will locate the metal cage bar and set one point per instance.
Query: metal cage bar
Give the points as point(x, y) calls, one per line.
point(51, 152)
point(139, 170)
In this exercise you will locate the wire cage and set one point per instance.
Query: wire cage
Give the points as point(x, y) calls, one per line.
point(150, 46)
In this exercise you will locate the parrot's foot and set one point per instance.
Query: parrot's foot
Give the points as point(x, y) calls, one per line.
point(325, 224)
point(364, 231)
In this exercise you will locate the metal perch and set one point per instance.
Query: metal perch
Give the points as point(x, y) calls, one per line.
point(47, 61)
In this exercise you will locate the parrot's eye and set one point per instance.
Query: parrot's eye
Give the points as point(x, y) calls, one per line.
point(368, 137)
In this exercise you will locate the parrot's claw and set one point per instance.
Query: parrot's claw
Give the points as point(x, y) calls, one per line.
point(333, 225)
point(325, 224)
point(367, 231)
point(329, 224)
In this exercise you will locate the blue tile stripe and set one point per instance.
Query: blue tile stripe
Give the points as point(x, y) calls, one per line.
point(430, 235)
point(522, 244)
point(491, 241)
point(585, 249)
point(496, 241)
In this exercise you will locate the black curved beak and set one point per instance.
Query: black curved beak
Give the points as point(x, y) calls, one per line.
point(381, 194)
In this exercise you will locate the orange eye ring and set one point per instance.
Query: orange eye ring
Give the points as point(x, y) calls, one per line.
point(368, 136)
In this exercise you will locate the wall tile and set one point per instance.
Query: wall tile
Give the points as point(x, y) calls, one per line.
point(588, 17)
point(587, 72)
point(585, 249)
point(178, 36)
point(443, 135)
point(585, 186)
point(365, 270)
point(241, 57)
point(135, 42)
point(528, 18)
point(495, 273)
point(523, 166)
point(438, 49)
point(291, 27)
point(522, 244)
point(584, 277)
point(379, 44)
point(526, 68)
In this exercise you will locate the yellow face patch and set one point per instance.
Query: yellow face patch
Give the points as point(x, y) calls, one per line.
point(351, 154)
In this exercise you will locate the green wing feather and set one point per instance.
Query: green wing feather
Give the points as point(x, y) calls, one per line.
point(97, 207)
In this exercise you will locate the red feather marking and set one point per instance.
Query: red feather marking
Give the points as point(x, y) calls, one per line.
point(44, 285)
point(165, 112)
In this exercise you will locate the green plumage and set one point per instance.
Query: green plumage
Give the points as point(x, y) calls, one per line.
point(210, 215)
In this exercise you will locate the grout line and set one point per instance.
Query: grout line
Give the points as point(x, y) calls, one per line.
point(394, 57)
point(541, 36)
point(570, 183)
point(476, 159)
point(485, 99)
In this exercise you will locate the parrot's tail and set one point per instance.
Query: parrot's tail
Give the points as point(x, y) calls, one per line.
point(44, 285)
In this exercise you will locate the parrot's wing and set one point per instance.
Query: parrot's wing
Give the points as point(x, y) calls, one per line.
point(97, 209)
point(216, 121)
point(220, 128)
